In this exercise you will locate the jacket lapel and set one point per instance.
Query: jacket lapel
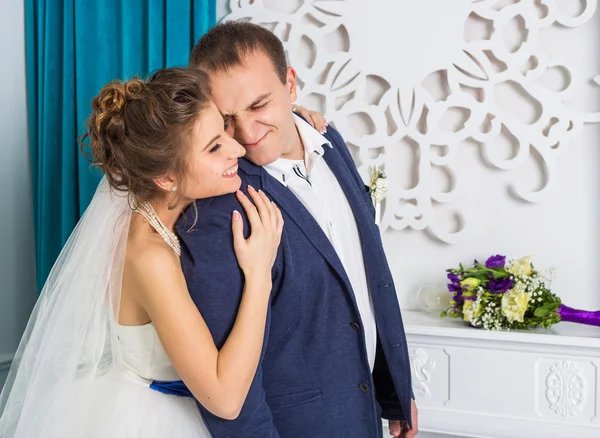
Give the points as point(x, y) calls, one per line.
point(291, 205)
point(355, 198)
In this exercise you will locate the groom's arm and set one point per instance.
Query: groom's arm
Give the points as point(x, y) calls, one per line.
point(216, 283)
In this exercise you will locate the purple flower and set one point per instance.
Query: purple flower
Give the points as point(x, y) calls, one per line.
point(454, 278)
point(500, 286)
point(496, 261)
point(454, 287)
point(459, 299)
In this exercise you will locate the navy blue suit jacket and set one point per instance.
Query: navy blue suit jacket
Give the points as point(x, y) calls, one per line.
point(313, 379)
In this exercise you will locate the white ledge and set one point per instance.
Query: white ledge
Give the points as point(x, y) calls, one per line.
point(562, 334)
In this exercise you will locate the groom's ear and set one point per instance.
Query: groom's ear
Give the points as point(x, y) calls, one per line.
point(165, 183)
point(291, 83)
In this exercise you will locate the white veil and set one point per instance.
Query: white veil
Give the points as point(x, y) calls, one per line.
point(71, 336)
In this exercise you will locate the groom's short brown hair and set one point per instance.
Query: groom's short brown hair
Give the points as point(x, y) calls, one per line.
point(224, 47)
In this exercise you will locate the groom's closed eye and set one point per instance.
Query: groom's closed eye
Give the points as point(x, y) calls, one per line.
point(260, 102)
point(259, 106)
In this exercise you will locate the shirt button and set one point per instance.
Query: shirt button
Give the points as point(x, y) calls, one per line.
point(363, 387)
point(355, 325)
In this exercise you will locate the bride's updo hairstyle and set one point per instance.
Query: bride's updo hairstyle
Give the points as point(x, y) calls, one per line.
point(141, 130)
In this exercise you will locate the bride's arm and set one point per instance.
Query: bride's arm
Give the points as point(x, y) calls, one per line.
point(220, 380)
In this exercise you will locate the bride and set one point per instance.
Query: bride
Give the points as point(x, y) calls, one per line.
point(114, 316)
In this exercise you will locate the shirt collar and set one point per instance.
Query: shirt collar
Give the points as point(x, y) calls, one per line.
point(311, 138)
point(313, 141)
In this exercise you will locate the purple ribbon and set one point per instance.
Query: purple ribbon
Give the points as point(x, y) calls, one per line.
point(579, 316)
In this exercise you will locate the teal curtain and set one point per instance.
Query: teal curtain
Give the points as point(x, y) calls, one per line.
point(74, 47)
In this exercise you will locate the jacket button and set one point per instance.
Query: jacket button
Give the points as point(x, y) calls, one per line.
point(355, 325)
point(363, 387)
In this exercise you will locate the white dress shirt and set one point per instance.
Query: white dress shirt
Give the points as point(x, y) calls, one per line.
point(315, 185)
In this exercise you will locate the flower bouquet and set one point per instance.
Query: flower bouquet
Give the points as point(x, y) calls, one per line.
point(500, 295)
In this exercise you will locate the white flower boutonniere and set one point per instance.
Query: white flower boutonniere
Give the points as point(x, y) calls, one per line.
point(378, 190)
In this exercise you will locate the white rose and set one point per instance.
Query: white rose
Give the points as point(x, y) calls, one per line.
point(514, 305)
point(381, 184)
point(521, 267)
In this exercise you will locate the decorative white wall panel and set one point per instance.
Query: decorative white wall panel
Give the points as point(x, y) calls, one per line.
point(408, 86)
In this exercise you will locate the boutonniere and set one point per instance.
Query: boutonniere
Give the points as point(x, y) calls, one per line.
point(378, 190)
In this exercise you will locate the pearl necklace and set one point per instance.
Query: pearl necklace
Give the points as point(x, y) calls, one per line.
point(146, 210)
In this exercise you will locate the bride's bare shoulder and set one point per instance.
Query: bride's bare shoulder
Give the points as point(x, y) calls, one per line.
point(151, 271)
point(145, 248)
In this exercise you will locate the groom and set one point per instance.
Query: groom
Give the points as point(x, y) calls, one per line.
point(335, 358)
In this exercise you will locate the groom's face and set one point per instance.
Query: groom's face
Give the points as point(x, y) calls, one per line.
point(257, 107)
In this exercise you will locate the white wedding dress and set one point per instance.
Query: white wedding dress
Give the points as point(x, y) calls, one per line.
point(120, 404)
point(79, 374)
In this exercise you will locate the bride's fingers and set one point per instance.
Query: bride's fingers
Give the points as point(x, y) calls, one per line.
point(263, 209)
point(270, 205)
point(280, 222)
point(250, 209)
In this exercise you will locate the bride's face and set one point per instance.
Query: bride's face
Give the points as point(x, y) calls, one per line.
point(213, 158)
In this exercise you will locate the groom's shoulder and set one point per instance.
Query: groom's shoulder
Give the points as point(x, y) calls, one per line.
point(334, 136)
point(210, 215)
point(337, 141)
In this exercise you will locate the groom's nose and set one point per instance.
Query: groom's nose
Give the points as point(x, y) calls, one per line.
point(246, 131)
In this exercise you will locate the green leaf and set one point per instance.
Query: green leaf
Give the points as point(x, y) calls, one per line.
point(498, 274)
point(550, 307)
point(554, 307)
point(541, 312)
point(443, 314)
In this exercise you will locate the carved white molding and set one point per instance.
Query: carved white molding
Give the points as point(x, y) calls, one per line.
point(368, 66)
point(565, 389)
point(421, 368)
point(430, 372)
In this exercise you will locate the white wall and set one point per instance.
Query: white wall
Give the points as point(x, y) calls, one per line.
point(17, 260)
point(562, 231)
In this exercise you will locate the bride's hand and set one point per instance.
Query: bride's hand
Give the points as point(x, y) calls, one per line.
point(257, 253)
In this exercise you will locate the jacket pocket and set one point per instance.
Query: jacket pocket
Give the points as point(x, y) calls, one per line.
point(294, 399)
